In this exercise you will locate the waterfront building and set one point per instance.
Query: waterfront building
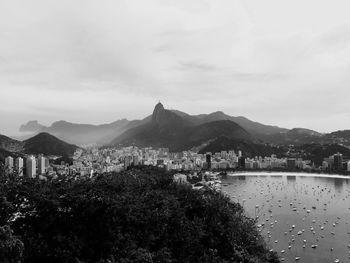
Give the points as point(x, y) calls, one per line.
point(338, 161)
point(291, 163)
point(241, 162)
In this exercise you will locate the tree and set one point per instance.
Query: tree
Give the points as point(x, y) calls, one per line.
point(139, 215)
point(11, 248)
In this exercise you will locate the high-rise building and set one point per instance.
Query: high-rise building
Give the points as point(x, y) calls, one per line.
point(135, 160)
point(19, 166)
point(241, 162)
point(47, 163)
point(9, 164)
point(41, 165)
point(338, 161)
point(127, 161)
point(291, 163)
point(31, 166)
point(208, 160)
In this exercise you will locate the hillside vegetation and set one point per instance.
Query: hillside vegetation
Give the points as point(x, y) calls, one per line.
point(136, 216)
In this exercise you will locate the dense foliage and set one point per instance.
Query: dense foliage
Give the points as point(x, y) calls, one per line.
point(136, 216)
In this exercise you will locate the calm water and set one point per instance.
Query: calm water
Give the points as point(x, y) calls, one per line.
point(317, 207)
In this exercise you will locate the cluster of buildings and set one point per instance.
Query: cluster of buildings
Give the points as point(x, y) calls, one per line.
point(336, 162)
point(96, 161)
point(32, 166)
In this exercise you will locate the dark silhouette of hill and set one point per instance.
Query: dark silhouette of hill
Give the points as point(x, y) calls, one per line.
point(3, 154)
point(297, 136)
point(9, 144)
point(249, 148)
point(168, 129)
point(45, 143)
point(252, 127)
point(345, 134)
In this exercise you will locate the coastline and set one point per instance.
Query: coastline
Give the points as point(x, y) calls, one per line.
point(267, 173)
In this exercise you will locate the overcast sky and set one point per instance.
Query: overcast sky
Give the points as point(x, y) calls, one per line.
point(285, 63)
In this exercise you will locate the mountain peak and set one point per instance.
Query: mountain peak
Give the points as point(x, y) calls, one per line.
point(157, 112)
point(31, 126)
point(46, 143)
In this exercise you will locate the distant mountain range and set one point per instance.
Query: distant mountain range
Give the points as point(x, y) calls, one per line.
point(85, 134)
point(170, 129)
point(82, 134)
point(177, 131)
point(42, 143)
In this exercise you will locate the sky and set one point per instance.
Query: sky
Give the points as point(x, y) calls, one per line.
point(284, 63)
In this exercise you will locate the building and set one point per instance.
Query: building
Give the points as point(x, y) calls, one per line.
point(180, 178)
point(208, 160)
point(241, 162)
point(338, 161)
point(19, 166)
point(348, 166)
point(291, 163)
point(9, 164)
point(31, 167)
point(41, 165)
point(127, 162)
point(135, 160)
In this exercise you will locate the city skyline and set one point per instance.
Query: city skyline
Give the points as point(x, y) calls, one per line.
point(97, 62)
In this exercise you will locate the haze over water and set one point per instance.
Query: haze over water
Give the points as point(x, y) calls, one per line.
point(319, 207)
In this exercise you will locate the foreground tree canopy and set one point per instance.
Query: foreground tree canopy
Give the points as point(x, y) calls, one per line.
point(135, 216)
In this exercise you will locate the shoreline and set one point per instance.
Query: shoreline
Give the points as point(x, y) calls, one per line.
point(265, 173)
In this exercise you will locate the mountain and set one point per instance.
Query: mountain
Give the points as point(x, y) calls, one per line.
point(252, 127)
point(82, 134)
point(172, 124)
point(345, 134)
point(31, 126)
point(45, 143)
point(340, 137)
point(297, 136)
point(3, 154)
point(169, 129)
point(250, 149)
point(10, 145)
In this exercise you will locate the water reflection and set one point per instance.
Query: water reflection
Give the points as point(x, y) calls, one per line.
point(304, 217)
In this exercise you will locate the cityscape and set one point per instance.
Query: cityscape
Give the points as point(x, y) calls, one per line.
point(95, 161)
point(174, 131)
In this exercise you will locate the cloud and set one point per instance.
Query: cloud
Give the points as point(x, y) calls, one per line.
point(196, 65)
point(104, 60)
